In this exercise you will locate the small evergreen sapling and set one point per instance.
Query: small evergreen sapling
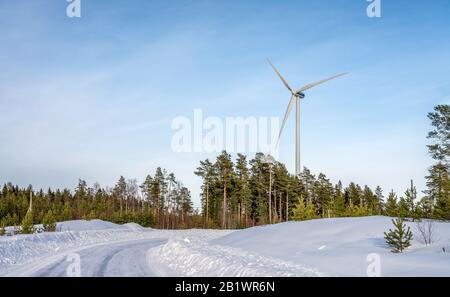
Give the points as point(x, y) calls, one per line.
point(400, 238)
point(49, 222)
point(2, 229)
point(304, 212)
point(391, 205)
point(27, 226)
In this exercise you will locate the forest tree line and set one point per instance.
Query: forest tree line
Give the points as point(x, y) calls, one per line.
point(242, 193)
point(161, 201)
point(236, 193)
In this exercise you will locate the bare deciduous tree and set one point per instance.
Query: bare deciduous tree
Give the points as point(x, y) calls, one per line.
point(425, 228)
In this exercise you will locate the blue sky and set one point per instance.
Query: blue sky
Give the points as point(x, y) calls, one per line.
point(94, 97)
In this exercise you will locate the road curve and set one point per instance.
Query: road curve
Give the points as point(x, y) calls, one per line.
point(127, 259)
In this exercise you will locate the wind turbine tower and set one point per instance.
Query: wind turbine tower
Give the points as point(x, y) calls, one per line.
point(296, 95)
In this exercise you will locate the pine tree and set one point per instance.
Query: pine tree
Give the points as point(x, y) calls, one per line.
point(146, 189)
point(442, 208)
point(258, 182)
point(268, 164)
point(425, 208)
point(353, 194)
point(403, 210)
point(351, 210)
point(369, 199)
point(361, 210)
point(440, 148)
point(438, 183)
point(27, 226)
point(242, 192)
point(158, 193)
point(308, 180)
point(378, 203)
point(49, 222)
point(391, 205)
point(120, 191)
point(324, 194)
point(207, 173)
point(2, 228)
point(303, 212)
point(410, 198)
point(438, 180)
point(132, 194)
point(225, 172)
point(400, 238)
point(66, 212)
point(281, 189)
point(339, 201)
point(81, 193)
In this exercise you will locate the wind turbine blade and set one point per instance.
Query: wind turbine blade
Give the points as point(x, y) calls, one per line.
point(307, 87)
point(280, 76)
point(286, 115)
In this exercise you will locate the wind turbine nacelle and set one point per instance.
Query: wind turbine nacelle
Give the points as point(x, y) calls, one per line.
point(301, 95)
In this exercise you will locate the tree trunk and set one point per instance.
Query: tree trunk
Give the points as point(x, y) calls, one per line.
point(270, 198)
point(207, 206)
point(280, 209)
point(224, 210)
point(246, 217)
point(239, 215)
point(30, 207)
point(287, 206)
point(275, 211)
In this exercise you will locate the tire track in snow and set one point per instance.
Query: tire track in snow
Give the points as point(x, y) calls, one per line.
point(116, 259)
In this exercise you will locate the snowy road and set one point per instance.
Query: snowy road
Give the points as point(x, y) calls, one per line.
point(114, 259)
point(326, 247)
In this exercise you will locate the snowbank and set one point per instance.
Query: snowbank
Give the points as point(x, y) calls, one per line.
point(341, 246)
point(21, 249)
point(197, 258)
point(83, 225)
point(334, 247)
point(135, 227)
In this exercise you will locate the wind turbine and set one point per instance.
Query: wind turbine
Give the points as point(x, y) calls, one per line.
point(296, 96)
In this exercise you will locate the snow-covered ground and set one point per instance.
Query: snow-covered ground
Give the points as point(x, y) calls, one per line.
point(341, 246)
point(327, 247)
point(23, 255)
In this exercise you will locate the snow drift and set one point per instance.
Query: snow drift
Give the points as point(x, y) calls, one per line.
point(341, 246)
point(20, 249)
point(83, 225)
point(326, 247)
point(198, 259)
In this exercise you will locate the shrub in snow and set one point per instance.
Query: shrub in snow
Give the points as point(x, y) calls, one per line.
point(27, 226)
point(49, 222)
point(399, 238)
point(425, 228)
point(304, 212)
